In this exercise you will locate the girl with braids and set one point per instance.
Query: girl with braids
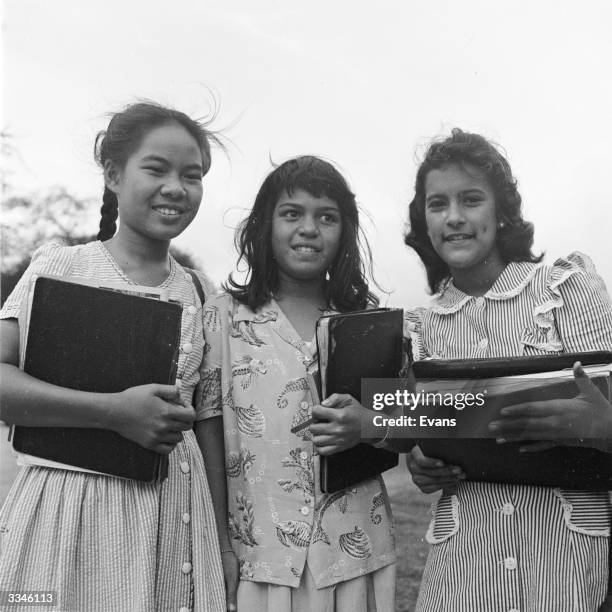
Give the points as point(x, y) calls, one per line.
point(499, 546)
point(106, 543)
point(298, 549)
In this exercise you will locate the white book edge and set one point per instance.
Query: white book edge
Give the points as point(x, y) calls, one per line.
point(507, 384)
point(25, 460)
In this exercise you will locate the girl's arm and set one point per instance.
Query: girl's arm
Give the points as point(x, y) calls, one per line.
point(209, 433)
point(583, 319)
point(151, 415)
point(585, 420)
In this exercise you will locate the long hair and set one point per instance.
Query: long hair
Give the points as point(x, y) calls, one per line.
point(123, 136)
point(347, 287)
point(514, 237)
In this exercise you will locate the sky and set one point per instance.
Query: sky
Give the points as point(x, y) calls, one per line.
point(364, 84)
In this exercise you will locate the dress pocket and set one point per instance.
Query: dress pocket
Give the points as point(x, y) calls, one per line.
point(585, 512)
point(445, 521)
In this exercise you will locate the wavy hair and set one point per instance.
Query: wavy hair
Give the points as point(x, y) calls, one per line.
point(514, 237)
point(347, 287)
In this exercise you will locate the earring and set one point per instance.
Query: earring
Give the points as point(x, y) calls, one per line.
point(501, 224)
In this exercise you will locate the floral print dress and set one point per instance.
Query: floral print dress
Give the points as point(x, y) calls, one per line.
point(254, 375)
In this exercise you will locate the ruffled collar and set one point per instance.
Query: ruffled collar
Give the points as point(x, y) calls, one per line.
point(515, 277)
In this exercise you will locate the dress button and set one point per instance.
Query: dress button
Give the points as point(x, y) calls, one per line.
point(303, 455)
point(483, 343)
point(508, 509)
point(187, 347)
point(514, 610)
point(305, 510)
point(192, 310)
point(186, 568)
point(510, 563)
point(304, 405)
point(186, 518)
point(183, 609)
point(184, 467)
point(480, 301)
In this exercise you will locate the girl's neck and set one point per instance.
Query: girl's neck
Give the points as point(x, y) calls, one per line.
point(302, 302)
point(144, 261)
point(301, 291)
point(477, 280)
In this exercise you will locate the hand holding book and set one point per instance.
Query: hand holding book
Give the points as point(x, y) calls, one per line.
point(337, 423)
point(585, 420)
point(430, 474)
point(153, 416)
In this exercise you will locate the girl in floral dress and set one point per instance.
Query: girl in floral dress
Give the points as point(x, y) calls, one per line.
point(297, 549)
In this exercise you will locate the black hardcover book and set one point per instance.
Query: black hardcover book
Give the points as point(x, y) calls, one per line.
point(483, 459)
point(92, 339)
point(352, 346)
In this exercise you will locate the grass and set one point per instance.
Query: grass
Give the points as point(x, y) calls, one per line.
point(410, 509)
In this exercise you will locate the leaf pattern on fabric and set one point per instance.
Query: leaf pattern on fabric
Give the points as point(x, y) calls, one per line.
point(211, 319)
point(251, 421)
point(356, 544)
point(228, 398)
point(264, 394)
point(245, 329)
point(340, 498)
point(378, 501)
point(297, 384)
point(208, 391)
point(302, 415)
point(247, 367)
point(238, 463)
point(241, 528)
point(304, 480)
point(293, 533)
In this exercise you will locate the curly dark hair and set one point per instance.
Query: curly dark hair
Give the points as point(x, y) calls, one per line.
point(515, 236)
point(347, 287)
point(123, 136)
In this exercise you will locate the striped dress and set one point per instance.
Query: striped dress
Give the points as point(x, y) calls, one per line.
point(498, 547)
point(106, 543)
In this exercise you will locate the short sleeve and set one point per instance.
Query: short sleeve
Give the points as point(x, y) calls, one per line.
point(583, 312)
point(209, 392)
point(52, 259)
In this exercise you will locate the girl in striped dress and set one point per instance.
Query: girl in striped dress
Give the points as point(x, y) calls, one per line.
point(500, 546)
point(104, 543)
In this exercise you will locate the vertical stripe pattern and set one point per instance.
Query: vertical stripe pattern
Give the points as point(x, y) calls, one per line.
point(508, 547)
point(106, 543)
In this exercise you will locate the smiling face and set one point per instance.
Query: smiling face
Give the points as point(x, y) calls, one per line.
point(305, 235)
point(159, 189)
point(462, 221)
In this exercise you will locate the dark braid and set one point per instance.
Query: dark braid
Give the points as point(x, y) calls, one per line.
point(123, 136)
point(109, 213)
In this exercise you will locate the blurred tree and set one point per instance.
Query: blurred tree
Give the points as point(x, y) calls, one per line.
point(29, 222)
